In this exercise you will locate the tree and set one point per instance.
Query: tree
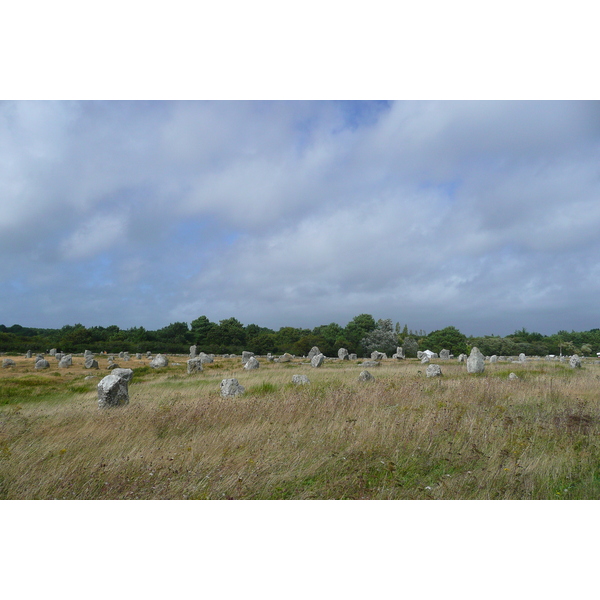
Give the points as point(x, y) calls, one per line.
point(383, 338)
point(357, 329)
point(448, 338)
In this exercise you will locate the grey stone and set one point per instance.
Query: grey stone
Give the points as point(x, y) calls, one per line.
point(317, 360)
point(28, 355)
point(8, 362)
point(513, 376)
point(370, 363)
point(208, 358)
point(42, 363)
point(91, 363)
point(522, 357)
point(126, 374)
point(58, 356)
point(246, 356)
point(126, 356)
point(419, 354)
point(343, 354)
point(375, 355)
point(159, 361)
point(313, 352)
point(231, 387)
point(87, 353)
point(65, 361)
point(113, 390)
point(121, 355)
point(251, 364)
point(462, 357)
point(366, 376)
point(433, 371)
point(112, 365)
point(444, 354)
point(575, 362)
point(285, 358)
point(493, 358)
point(352, 357)
point(399, 353)
point(138, 356)
point(475, 362)
point(193, 351)
point(424, 359)
point(52, 352)
point(194, 365)
point(300, 379)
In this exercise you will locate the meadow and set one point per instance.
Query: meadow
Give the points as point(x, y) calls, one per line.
point(402, 436)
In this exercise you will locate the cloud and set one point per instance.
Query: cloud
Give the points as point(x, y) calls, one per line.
point(431, 213)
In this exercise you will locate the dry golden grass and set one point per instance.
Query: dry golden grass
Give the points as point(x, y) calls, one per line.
point(403, 436)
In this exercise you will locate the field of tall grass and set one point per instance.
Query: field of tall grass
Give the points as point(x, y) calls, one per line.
point(402, 436)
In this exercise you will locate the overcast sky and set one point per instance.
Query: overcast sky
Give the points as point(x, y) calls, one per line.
point(484, 215)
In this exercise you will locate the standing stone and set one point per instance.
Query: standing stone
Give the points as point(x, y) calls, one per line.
point(65, 361)
point(313, 352)
point(522, 357)
point(42, 363)
point(420, 354)
point(113, 389)
point(231, 387)
point(148, 353)
point(512, 376)
point(121, 355)
point(87, 353)
point(207, 358)
point(251, 364)
point(300, 379)
point(28, 355)
point(444, 354)
point(366, 376)
point(8, 362)
point(112, 365)
point(375, 355)
point(246, 356)
point(194, 365)
point(424, 359)
point(433, 371)
point(575, 362)
point(52, 352)
point(138, 356)
point(126, 356)
point(475, 362)
point(353, 357)
point(159, 361)
point(317, 360)
point(493, 358)
point(58, 356)
point(462, 357)
point(91, 363)
point(343, 354)
point(399, 353)
point(370, 363)
point(285, 358)
point(193, 351)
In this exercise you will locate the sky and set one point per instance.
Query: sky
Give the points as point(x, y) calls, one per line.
point(484, 215)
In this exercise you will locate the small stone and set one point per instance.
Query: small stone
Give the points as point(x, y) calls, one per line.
point(159, 361)
point(246, 356)
point(231, 388)
point(300, 379)
point(343, 354)
point(513, 376)
point(317, 360)
point(444, 354)
point(251, 364)
point(285, 358)
point(42, 364)
point(522, 357)
point(433, 371)
point(370, 363)
point(91, 363)
point(493, 358)
point(193, 351)
point(313, 352)
point(8, 362)
point(113, 389)
point(475, 362)
point(424, 359)
point(575, 362)
point(194, 365)
point(366, 376)
point(65, 361)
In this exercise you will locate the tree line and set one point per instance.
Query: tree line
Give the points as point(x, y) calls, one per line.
point(361, 336)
